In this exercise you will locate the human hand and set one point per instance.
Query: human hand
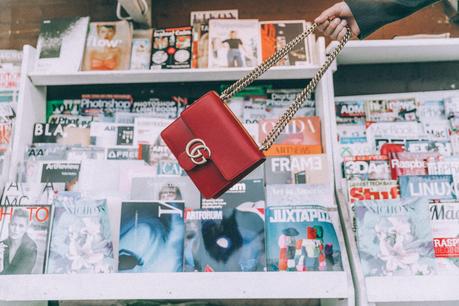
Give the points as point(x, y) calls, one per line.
point(333, 21)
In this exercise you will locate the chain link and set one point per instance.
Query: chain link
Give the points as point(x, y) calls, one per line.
point(299, 99)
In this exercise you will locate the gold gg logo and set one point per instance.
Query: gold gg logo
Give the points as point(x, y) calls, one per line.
point(197, 151)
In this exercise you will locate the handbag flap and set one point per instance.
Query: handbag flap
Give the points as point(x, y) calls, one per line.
point(232, 148)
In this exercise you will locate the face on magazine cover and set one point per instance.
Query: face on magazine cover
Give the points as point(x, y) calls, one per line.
point(170, 192)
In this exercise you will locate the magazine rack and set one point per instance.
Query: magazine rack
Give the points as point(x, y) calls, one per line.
point(332, 288)
point(414, 290)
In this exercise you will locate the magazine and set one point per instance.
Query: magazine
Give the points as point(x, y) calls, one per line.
point(438, 130)
point(81, 240)
point(171, 48)
point(200, 44)
point(151, 237)
point(246, 193)
point(350, 111)
point(108, 46)
point(16, 193)
point(366, 167)
point(112, 134)
point(394, 237)
point(445, 231)
point(406, 163)
point(301, 136)
point(24, 229)
point(234, 43)
point(105, 105)
point(391, 110)
point(221, 240)
point(432, 187)
point(276, 34)
point(372, 190)
point(60, 45)
point(305, 194)
point(297, 169)
point(62, 107)
point(164, 188)
point(301, 238)
point(118, 153)
point(443, 148)
point(141, 49)
point(431, 110)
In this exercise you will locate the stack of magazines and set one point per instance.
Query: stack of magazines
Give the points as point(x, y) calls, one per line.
point(399, 156)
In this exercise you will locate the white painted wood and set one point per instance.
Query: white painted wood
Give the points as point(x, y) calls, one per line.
point(399, 51)
point(30, 109)
point(167, 75)
point(219, 285)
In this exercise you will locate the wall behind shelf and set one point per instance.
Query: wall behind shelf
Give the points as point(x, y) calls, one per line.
point(20, 19)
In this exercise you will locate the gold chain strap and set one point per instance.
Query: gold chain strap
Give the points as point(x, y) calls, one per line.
point(299, 99)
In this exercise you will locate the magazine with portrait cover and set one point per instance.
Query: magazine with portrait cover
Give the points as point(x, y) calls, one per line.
point(224, 240)
point(141, 49)
point(350, 111)
point(394, 237)
point(151, 237)
point(60, 44)
point(297, 169)
point(301, 238)
point(164, 188)
point(171, 48)
point(24, 230)
point(104, 134)
point(246, 193)
point(432, 187)
point(234, 43)
point(17, 193)
point(276, 34)
point(108, 46)
point(200, 43)
point(391, 110)
point(444, 217)
point(311, 194)
point(301, 136)
point(81, 239)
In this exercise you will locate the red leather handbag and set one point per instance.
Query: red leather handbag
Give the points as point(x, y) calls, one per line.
point(213, 146)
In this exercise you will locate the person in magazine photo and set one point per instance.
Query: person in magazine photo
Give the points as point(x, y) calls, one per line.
point(170, 192)
point(108, 58)
point(18, 253)
point(235, 50)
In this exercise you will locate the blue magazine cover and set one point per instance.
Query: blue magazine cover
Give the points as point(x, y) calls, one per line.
point(80, 237)
point(151, 237)
point(394, 237)
point(228, 239)
point(433, 187)
point(301, 238)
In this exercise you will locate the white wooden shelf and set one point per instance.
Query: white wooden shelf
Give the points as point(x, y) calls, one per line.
point(220, 285)
point(398, 51)
point(167, 75)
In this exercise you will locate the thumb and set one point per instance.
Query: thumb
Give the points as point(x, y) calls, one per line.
point(329, 13)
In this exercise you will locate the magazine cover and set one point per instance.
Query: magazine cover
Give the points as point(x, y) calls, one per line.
point(394, 237)
point(60, 172)
point(121, 153)
point(406, 163)
point(222, 240)
point(45, 151)
point(68, 107)
point(105, 134)
point(157, 107)
point(78, 153)
point(108, 46)
point(276, 34)
point(310, 194)
point(445, 231)
point(393, 132)
point(246, 192)
point(24, 234)
point(431, 110)
point(165, 188)
point(105, 105)
point(301, 136)
point(366, 167)
point(350, 111)
point(200, 43)
point(171, 48)
point(443, 148)
point(234, 43)
point(81, 240)
point(297, 169)
point(372, 190)
point(60, 134)
point(432, 187)
point(301, 238)
point(391, 110)
point(141, 49)
point(151, 237)
point(16, 193)
point(437, 129)
point(66, 120)
point(60, 45)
